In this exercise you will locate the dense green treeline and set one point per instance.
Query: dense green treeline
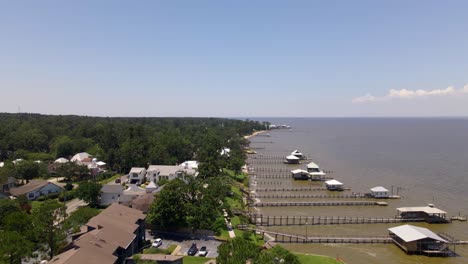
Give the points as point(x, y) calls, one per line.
point(121, 142)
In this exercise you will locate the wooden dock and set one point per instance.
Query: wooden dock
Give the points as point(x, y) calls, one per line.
point(285, 176)
point(297, 189)
point(268, 220)
point(327, 203)
point(292, 238)
point(324, 196)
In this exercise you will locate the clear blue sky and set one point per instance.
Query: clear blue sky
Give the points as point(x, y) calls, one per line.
point(234, 58)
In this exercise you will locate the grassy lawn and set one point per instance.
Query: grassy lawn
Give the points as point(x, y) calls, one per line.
point(316, 259)
point(111, 179)
point(36, 204)
point(195, 260)
point(153, 250)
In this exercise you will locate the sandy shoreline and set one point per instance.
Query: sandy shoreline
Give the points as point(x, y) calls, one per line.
point(254, 134)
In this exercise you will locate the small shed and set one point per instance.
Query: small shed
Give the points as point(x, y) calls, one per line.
point(151, 187)
point(379, 192)
point(418, 240)
point(291, 159)
point(429, 214)
point(300, 174)
point(334, 185)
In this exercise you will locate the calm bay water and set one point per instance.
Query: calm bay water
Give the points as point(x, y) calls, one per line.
point(425, 159)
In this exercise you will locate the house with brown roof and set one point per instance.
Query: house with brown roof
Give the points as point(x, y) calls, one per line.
point(111, 237)
point(36, 188)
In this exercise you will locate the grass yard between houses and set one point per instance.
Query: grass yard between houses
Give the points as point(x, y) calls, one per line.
point(317, 259)
point(195, 260)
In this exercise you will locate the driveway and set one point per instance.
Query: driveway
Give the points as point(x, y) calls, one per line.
point(74, 204)
point(185, 243)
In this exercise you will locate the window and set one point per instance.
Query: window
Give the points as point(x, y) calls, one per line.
point(31, 195)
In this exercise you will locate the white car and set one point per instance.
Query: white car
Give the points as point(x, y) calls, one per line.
point(203, 252)
point(157, 243)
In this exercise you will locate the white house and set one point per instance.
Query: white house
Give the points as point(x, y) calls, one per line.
point(379, 192)
point(334, 185)
point(111, 193)
point(298, 154)
point(155, 173)
point(291, 159)
point(61, 161)
point(315, 172)
point(136, 175)
point(300, 174)
point(190, 164)
point(132, 192)
point(36, 188)
point(80, 157)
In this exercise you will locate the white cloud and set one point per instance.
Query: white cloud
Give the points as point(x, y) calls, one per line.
point(410, 94)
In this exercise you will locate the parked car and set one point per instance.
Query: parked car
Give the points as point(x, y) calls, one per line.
point(193, 250)
point(203, 252)
point(157, 243)
point(117, 180)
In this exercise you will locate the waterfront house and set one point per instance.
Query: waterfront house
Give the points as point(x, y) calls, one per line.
point(300, 174)
point(156, 173)
point(117, 233)
point(315, 172)
point(291, 159)
point(429, 214)
point(334, 185)
point(111, 193)
point(35, 188)
point(379, 192)
point(418, 240)
point(136, 175)
point(298, 154)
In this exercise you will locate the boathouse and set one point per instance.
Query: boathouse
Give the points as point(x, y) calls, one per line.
point(291, 159)
point(300, 174)
point(429, 214)
point(298, 154)
point(334, 185)
point(379, 192)
point(418, 240)
point(315, 172)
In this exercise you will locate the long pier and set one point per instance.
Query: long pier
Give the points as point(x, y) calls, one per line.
point(328, 203)
point(291, 238)
point(268, 220)
point(325, 196)
point(277, 169)
point(296, 189)
point(285, 176)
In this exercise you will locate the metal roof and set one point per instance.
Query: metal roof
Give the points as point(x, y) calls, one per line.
point(312, 165)
point(378, 189)
point(292, 157)
point(298, 171)
point(333, 182)
point(426, 209)
point(412, 233)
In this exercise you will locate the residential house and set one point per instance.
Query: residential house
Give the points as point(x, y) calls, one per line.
point(80, 158)
point(7, 183)
point(111, 237)
point(190, 164)
point(300, 174)
point(157, 173)
point(36, 188)
point(315, 172)
point(111, 193)
point(136, 175)
point(291, 159)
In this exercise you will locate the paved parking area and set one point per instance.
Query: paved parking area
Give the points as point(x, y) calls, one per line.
point(185, 243)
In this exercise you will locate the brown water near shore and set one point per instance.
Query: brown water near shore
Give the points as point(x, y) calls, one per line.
point(425, 160)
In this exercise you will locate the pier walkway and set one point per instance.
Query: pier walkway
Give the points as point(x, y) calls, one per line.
point(268, 220)
point(327, 203)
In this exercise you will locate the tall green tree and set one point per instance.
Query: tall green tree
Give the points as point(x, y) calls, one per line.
point(14, 247)
point(27, 170)
point(48, 222)
point(89, 192)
